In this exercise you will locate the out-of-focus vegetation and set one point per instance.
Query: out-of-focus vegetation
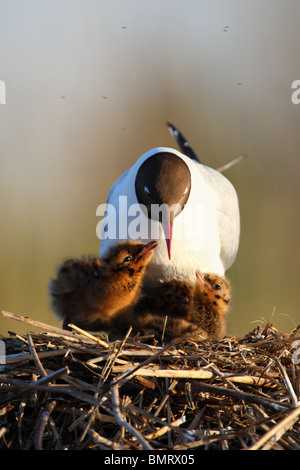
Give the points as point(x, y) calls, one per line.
point(89, 87)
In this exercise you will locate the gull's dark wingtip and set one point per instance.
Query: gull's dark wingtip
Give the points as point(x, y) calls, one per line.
point(183, 144)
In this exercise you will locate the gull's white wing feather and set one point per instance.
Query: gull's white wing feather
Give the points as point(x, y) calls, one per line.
point(228, 215)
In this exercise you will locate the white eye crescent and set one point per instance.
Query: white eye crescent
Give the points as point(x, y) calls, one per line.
point(146, 190)
point(185, 191)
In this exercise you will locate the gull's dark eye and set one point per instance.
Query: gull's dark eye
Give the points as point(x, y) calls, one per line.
point(127, 259)
point(146, 191)
point(217, 287)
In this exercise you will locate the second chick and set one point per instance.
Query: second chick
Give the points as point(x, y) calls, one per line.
point(174, 300)
point(212, 297)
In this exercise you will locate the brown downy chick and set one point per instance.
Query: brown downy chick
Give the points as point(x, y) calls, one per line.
point(93, 294)
point(173, 300)
point(168, 327)
point(212, 298)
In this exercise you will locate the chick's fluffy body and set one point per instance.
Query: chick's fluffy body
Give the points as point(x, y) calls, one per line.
point(92, 293)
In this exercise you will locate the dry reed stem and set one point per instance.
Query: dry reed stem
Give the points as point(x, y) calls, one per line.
point(41, 425)
point(88, 335)
point(287, 382)
point(190, 374)
point(35, 356)
point(122, 422)
point(35, 323)
point(267, 441)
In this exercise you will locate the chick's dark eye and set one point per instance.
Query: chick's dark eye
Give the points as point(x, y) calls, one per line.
point(146, 190)
point(169, 296)
point(217, 287)
point(127, 259)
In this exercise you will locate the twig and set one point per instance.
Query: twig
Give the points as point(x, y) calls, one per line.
point(28, 321)
point(110, 363)
point(216, 371)
point(104, 442)
point(166, 397)
point(155, 419)
point(32, 385)
point(192, 374)
point(274, 434)
point(121, 421)
point(183, 439)
point(160, 432)
point(248, 397)
point(88, 335)
point(287, 382)
point(20, 357)
point(3, 431)
point(224, 442)
point(164, 329)
point(20, 422)
point(167, 373)
point(35, 356)
point(45, 326)
point(42, 423)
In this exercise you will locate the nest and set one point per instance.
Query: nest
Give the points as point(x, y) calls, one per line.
point(74, 390)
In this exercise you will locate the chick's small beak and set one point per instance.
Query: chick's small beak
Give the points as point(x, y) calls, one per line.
point(146, 250)
point(201, 278)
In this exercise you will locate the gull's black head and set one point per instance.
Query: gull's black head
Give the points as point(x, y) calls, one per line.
point(163, 180)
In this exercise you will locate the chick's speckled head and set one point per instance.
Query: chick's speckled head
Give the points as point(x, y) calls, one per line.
point(215, 288)
point(129, 254)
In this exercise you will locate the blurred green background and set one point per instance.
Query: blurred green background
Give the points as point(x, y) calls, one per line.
point(89, 87)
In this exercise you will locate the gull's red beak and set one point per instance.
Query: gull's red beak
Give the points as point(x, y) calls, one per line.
point(168, 231)
point(168, 236)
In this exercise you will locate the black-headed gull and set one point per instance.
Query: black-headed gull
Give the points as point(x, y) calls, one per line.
point(200, 232)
